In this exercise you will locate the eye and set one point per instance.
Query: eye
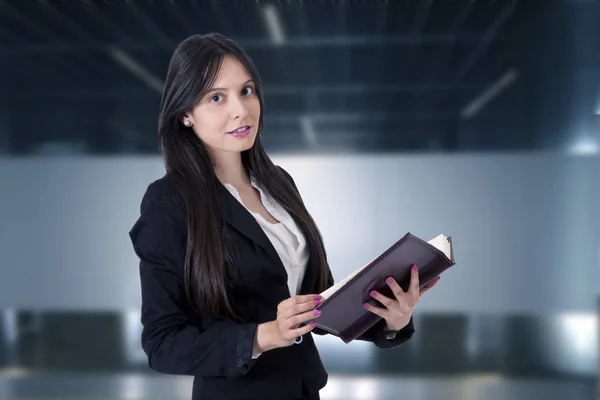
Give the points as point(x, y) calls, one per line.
point(247, 91)
point(215, 98)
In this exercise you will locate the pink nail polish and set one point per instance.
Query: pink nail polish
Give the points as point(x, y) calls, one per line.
point(318, 312)
point(365, 305)
point(415, 267)
point(373, 293)
point(389, 280)
point(318, 304)
point(318, 297)
point(313, 324)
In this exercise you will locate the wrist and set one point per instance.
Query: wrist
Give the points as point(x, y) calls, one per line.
point(390, 329)
point(263, 339)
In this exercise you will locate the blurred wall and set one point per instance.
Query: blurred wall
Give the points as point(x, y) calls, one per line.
point(525, 227)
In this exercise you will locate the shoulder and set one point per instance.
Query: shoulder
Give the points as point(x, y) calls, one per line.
point(283, 171)
point(286, 175)
point(162, 196)
point(162, 215)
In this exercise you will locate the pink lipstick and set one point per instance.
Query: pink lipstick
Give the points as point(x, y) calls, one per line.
point(241, 131)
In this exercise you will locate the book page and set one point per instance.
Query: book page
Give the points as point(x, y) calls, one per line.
point(440, 242)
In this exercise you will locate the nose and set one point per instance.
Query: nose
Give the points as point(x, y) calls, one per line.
point(238, 108)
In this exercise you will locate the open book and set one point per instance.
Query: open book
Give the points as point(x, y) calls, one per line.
point(342, 309)
point(440, 242)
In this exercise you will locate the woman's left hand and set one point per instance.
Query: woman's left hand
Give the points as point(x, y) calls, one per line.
point(398, 311)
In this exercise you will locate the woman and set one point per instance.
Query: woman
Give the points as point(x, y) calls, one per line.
point(230, 259)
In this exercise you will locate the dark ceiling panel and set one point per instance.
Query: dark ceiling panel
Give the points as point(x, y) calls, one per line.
point(354, 68)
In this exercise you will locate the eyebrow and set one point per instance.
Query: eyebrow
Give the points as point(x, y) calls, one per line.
point(223, 89)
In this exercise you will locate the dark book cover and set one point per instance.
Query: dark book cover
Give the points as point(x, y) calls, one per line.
point(343, 314)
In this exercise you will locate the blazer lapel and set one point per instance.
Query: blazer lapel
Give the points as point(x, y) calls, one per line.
point(236, 215)
point(310, 275)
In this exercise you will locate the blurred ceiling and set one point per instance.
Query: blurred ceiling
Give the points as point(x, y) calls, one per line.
point(351, 76)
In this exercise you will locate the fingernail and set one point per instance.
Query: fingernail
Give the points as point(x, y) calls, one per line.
point(415, 267)
point(318, 297)
point(389, 280)
point(365, 305)
point(318, 304)
point(318, 312)
point(373, 293)
point(313, 324)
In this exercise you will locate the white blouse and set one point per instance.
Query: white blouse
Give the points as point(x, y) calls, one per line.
point(286, 236)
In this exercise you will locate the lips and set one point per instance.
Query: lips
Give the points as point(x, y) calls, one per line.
point(241, 131)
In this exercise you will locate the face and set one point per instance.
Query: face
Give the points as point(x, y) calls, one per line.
point(226, 118)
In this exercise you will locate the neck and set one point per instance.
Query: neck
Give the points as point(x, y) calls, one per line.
point(229, 169)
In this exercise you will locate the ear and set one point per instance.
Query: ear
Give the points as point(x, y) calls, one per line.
point(186, 119)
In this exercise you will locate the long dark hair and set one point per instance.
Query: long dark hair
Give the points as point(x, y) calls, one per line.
point(192, 70)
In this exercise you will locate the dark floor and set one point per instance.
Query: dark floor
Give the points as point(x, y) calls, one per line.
point(150, 386)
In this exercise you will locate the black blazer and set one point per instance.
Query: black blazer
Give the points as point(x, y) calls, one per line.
point(215, 350)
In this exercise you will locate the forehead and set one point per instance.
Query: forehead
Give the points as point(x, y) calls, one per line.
point(232, 72)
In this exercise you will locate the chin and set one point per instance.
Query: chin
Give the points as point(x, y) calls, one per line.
point(242, 145)
point(249, 145)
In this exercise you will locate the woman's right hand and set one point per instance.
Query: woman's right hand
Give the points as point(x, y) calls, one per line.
point(283, 331)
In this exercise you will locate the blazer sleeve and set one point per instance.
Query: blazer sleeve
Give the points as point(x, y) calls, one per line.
point(376, 334)
point(222, 348)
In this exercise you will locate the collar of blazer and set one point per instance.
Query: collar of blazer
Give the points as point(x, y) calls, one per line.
point(240, 219)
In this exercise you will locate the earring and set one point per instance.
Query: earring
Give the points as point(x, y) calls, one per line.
point(187, 122)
